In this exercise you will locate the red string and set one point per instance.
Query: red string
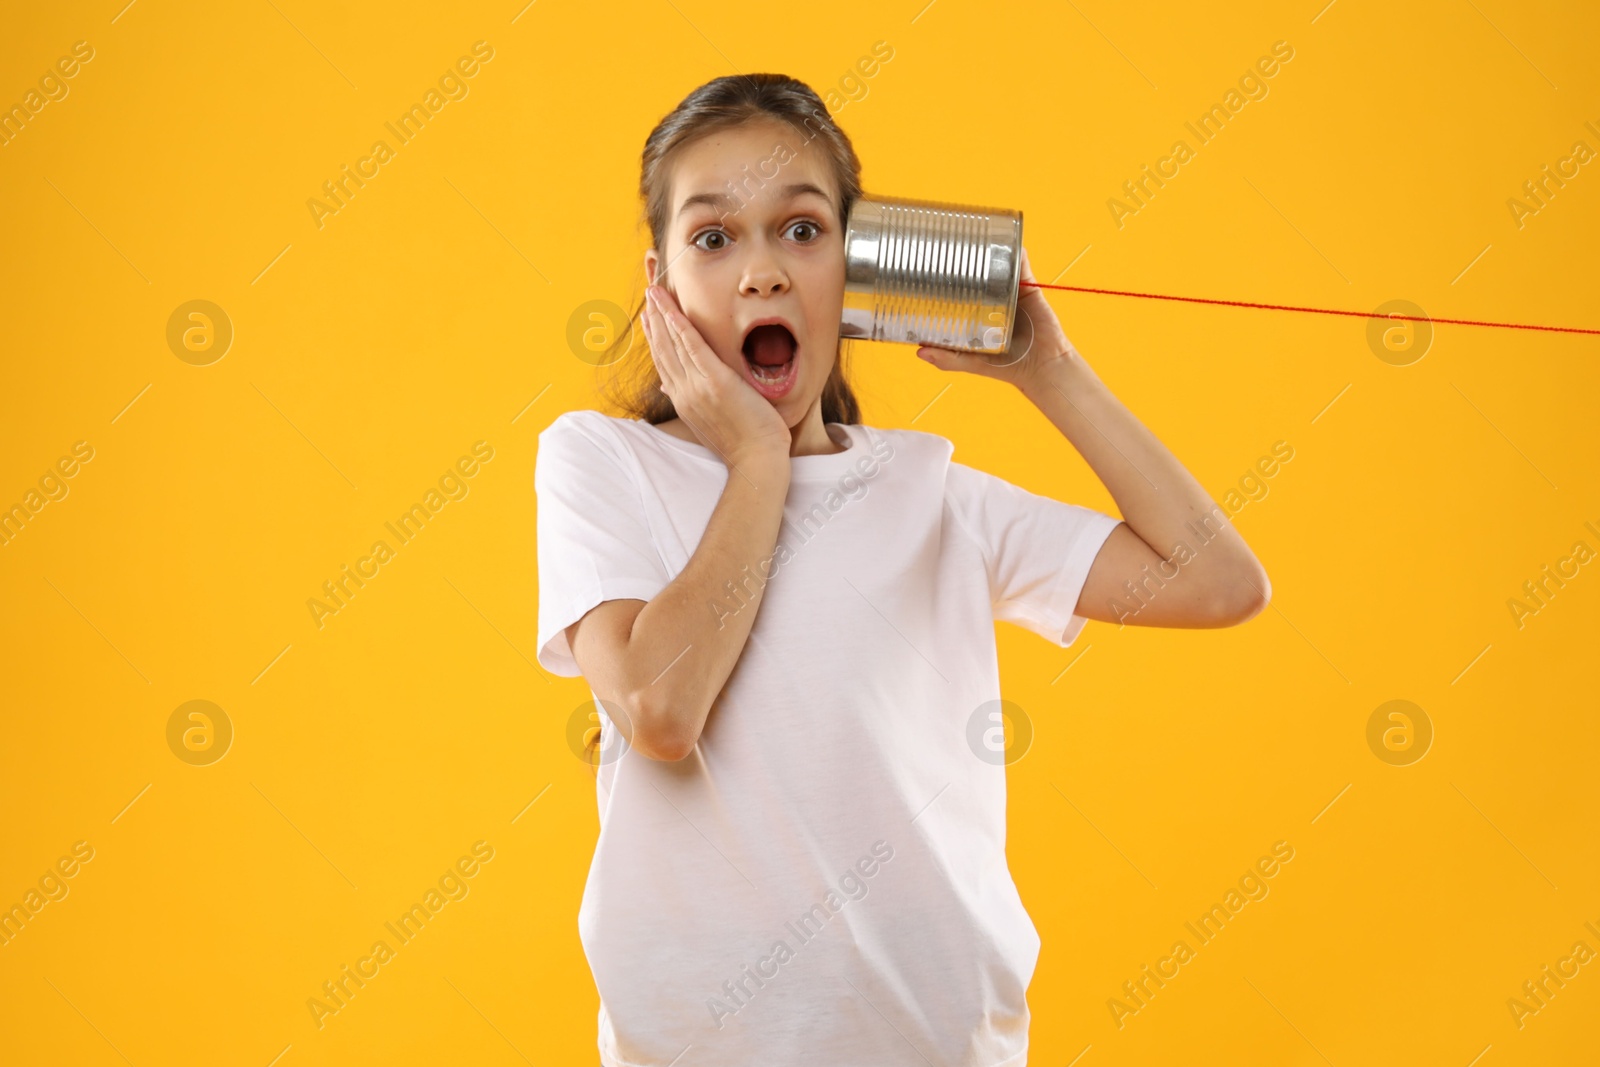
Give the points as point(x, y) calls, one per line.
point(1317, 311)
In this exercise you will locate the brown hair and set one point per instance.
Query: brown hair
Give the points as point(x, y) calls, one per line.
point(718, 104)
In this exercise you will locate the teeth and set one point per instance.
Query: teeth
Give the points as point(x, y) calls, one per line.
point(770, 374)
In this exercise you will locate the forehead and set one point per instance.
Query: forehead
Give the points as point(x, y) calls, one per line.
point(751, 156)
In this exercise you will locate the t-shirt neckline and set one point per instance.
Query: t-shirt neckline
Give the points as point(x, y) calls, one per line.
point(822, 465)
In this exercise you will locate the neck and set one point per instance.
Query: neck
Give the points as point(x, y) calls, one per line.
point(809, 436)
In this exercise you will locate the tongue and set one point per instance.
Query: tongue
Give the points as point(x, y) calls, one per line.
point(770, 346)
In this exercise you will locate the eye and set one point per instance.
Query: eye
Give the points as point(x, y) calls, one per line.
point(700, 239)
point(813, 228)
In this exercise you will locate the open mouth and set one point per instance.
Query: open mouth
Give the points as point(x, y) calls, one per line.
point(770, 351)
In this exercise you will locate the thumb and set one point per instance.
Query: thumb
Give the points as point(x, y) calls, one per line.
point(1030, 299)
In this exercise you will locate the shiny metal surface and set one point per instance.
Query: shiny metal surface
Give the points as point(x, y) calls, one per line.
point(926, 272)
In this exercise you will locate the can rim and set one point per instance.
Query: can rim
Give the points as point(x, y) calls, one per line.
point(1016, 285)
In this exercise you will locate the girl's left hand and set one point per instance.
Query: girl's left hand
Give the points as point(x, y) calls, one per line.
point(1037, 342)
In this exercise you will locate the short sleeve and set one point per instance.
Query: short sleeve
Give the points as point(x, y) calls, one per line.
point(1038, 550)
point(594, 541)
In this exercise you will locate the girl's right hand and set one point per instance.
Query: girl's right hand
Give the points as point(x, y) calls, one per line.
point(721, 407)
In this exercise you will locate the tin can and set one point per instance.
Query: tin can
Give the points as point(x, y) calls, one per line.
point(926, 272)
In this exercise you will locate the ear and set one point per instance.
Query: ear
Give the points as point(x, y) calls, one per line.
point(650, 262)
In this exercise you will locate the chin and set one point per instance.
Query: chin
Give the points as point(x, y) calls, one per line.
point(794, 408)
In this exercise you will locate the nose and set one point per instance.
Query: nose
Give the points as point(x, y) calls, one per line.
point(763, 273)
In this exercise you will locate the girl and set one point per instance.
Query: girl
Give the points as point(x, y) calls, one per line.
point(786, 616)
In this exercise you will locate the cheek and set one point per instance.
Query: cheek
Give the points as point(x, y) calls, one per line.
point(818, 370)
point(715, 328)
point(725, 345)
point(823, 322)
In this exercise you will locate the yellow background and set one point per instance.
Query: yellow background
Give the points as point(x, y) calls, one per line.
point(431, 312)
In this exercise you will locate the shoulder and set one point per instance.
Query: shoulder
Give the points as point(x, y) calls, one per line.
point(582, 422)
point(917, 445)
point(599, 430)
point(927, 458)
point(583, 439)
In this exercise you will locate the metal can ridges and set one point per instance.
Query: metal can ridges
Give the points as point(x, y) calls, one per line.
point(928, 272)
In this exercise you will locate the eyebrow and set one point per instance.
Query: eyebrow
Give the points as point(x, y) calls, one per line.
point(787, 192)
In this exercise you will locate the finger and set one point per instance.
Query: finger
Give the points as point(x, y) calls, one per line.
point(651, 344)
point(950, 359)
point(1042, 322)
point(671, 317)
point(691, 346)
point(1024, 331)
point(679, 346)
point(663, 338)
point(1030, 293)
point(662, 347)
point(946, 359)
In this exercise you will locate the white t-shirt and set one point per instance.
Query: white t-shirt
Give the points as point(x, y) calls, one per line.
point(823, 879)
